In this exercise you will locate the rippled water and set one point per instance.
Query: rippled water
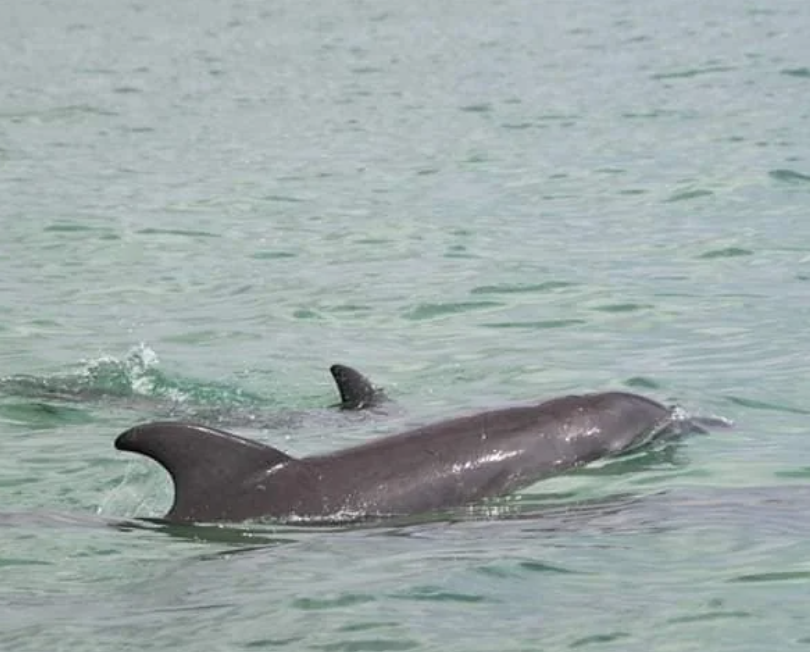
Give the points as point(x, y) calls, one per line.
point(205, 204)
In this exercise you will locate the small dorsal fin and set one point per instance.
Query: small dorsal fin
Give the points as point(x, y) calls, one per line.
point(203, 462)
point(356, 391)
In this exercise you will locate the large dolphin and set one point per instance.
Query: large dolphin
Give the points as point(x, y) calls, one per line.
point(219, 476)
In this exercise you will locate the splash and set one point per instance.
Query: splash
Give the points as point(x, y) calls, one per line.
point(135, 374)
point(135, 378)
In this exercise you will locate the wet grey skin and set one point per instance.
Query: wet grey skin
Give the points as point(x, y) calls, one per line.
point(219, 476)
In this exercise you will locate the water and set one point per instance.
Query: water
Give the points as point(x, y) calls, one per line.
point(474, 203)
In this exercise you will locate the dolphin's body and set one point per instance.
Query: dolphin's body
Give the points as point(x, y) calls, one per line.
point(221, 477)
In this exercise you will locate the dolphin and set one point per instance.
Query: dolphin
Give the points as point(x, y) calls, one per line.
point(356, 393)
point(219, 476)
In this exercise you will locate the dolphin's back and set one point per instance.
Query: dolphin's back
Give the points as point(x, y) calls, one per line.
point(220, 476)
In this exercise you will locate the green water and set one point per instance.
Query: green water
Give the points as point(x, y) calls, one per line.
point(474, 203)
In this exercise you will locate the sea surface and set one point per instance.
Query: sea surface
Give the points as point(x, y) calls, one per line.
point(205, 204)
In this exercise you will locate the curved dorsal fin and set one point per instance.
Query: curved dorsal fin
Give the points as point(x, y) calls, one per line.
point(356, 391)
point(203, 462)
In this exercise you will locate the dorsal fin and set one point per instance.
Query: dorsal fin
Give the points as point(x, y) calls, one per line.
point(203, 462)
point(356, 391)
